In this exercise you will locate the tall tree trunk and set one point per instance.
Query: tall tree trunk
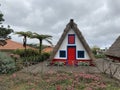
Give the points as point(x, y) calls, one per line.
point(40, 47)
point(24, 43)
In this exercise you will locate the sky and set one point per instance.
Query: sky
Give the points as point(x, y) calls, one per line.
point(98, 20)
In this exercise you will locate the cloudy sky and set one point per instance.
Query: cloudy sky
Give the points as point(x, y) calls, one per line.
point(98, 20)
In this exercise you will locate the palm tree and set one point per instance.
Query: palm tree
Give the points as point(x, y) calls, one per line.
point(41, 37)
point(25, 35)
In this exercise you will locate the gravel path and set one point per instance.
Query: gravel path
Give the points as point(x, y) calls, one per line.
point(42, 67)
point(101, 66)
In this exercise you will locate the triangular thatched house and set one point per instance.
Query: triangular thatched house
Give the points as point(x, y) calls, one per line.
point(114, 51)
point(72, 49)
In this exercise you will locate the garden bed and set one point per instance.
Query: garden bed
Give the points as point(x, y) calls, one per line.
point(57, 80)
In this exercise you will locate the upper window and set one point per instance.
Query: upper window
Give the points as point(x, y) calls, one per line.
point(71, 38)
point(62, 54)
point(81, 54)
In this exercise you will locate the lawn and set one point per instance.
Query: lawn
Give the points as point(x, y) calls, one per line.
point(59, 80)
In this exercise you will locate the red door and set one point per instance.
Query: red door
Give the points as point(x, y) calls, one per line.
point(71, 52)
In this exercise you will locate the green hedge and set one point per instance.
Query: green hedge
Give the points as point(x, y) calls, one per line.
point(27, 53)
point(34, 59)
point(31, 57)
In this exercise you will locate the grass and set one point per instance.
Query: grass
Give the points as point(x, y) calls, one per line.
point(57, 81)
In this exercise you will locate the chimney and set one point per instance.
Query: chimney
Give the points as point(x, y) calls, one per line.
point(71, 23)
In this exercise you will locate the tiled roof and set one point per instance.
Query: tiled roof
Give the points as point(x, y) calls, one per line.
point(47, 49)
point(12, 45)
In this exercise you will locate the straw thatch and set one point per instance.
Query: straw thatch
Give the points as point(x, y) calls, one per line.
point(69, 26)
point(114, 50)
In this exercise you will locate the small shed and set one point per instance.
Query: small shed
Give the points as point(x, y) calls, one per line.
point(72, 48)
point(114, 51)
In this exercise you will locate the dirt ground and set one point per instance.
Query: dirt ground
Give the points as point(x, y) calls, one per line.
point(42, 67)
point(101, 66)
point(19, 80)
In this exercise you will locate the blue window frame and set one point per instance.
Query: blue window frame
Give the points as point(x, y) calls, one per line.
point(62, 53)
point(80, 54)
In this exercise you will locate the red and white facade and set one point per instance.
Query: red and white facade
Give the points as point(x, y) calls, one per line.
point(71, 51)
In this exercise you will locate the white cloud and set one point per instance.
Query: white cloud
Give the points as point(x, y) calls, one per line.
point(98, 20)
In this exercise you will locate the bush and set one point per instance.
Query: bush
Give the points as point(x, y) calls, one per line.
point(83, 64)
point(44, 56)
point(29, 52)
point(100, 56)
point(7, 64)
point(59, 63)
point(31, 57)
point(34, 59)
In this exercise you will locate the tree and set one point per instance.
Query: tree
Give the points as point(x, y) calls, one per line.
point(1, 18)
point(24, 35)
point(4, 32)
point(41, 37)
point(95, 49)
point(4, 35)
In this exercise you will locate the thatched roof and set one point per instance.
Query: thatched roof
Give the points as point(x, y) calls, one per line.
point(69, 26)
point(114, 50)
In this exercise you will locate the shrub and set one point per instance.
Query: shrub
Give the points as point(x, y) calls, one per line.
point(44, 56)
point(83, 64)
point(7, 64)
point(59, 63)
point(100, 56)
point(34, 59)
point(31, 57)
point(29, 52)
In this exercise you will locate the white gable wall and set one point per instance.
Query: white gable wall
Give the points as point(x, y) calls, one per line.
point(78, 45)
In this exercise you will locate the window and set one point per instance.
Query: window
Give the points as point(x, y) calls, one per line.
point(62, 54)
point(81, 54)
point(71, 39)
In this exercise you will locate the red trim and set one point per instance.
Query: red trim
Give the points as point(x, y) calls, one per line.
point(58, 60)
point(78, 60)
point(113, 57)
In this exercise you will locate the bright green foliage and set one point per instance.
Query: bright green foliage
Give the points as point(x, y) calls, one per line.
point(7, 64)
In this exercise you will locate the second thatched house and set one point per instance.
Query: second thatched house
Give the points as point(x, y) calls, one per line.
point(114, 51)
